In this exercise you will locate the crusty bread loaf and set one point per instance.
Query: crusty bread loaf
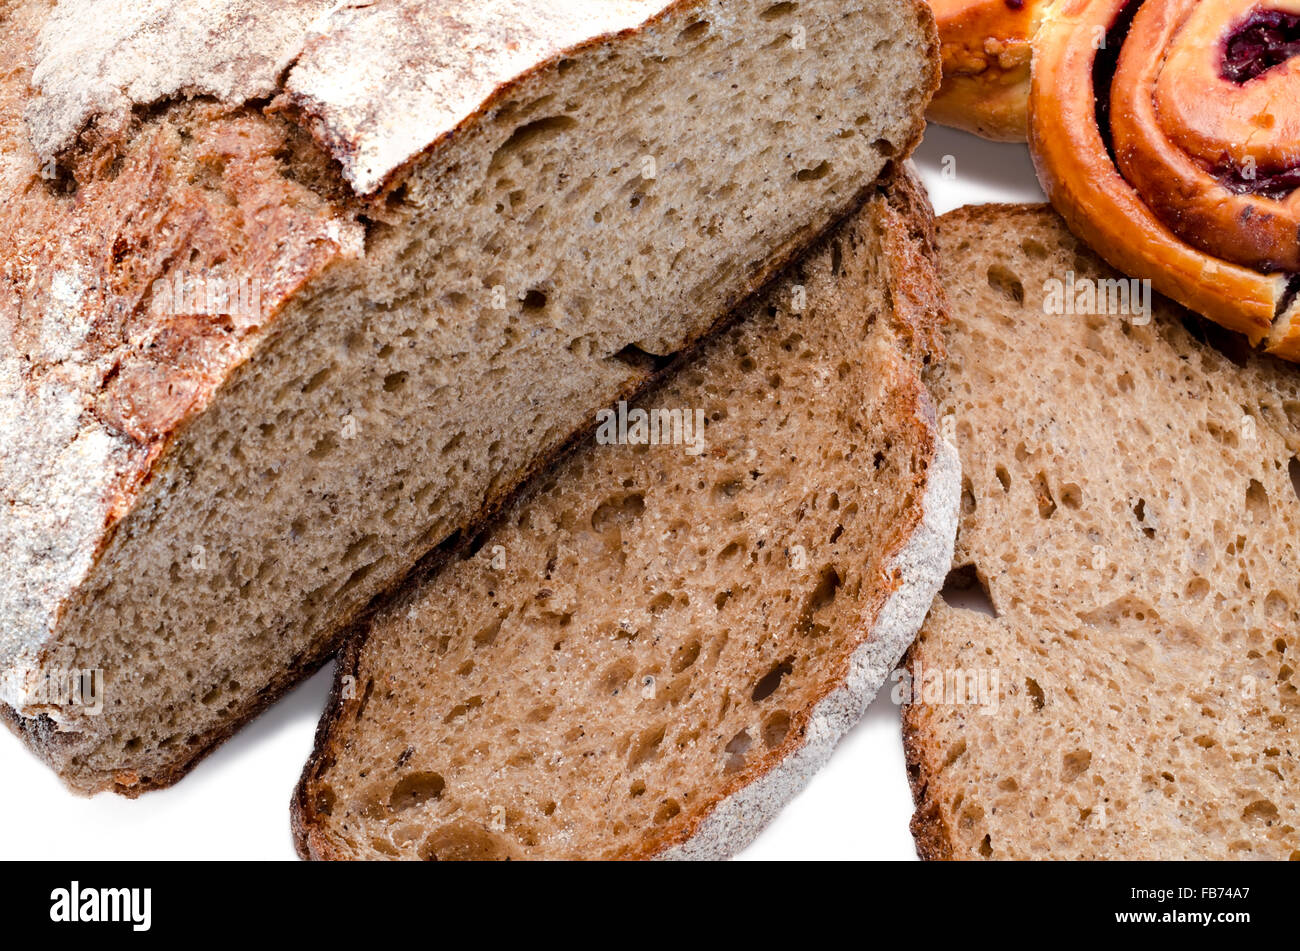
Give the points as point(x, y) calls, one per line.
point(656, 645)
point(1129, 503)
point(294, 291)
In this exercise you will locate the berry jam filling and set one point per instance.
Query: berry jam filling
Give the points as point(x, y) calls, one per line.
point(1264, 40)
point(1267, 38)
point(1275, 186)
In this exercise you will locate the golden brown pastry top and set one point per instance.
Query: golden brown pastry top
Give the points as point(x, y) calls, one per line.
point(986, 61)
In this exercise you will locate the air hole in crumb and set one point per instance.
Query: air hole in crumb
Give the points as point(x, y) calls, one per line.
point(1261, 810)
point(955, 752)
point(531, 133)
point(778, 10)
point(1033, 249)
point(488, 634)
point(617, 511)
point(769, 682)
point(1140, 512)
point(775, 729)
point(824, 594)
point(1004, 478)
point(1256, 500)
point(646, 747)
point(1005, 282)
point(968, 502)
point(640, 359)
point(323, 801)
point(463, 841)
point(1074, 765)
point(534, 300)
point(694, 32)
point(814, 174)
point(1043, 493)
point(325, 445)
point(819, 599)
point(965, 589)
point(685, 656)
point(667, 810)
point(1293, 469)
point(1036, 695)
point(737, 747)
point(414, 789)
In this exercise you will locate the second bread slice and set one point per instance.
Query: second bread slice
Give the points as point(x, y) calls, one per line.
point(1128, 507)
point(652, 650)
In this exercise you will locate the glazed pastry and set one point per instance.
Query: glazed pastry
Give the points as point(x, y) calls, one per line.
point(1186, 174)
point(986, 58)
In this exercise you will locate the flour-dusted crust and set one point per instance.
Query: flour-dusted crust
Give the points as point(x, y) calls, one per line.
point(98, 61)
point(378, 83)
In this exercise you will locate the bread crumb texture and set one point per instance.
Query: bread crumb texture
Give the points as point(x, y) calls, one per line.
point(648, 631)
point(1130, 511)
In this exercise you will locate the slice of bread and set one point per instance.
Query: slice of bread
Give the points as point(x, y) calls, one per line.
point(1130, 507)
point(291, 292)
point(654, 647)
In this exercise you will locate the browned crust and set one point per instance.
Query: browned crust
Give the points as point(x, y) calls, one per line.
point(907, 228)
point(934, 841)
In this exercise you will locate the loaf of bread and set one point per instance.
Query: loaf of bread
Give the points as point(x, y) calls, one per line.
point(291, 293)
point(657, 644)
point(1130, 509)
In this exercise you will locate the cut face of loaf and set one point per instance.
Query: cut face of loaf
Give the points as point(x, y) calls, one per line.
point(1130, 507)
point(656, 645)
point(308, 297)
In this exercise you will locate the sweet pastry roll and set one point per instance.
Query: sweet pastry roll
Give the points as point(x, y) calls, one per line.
point(1167, 134)
point(986, 63)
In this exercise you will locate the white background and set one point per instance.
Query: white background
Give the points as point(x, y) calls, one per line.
point(235, 805)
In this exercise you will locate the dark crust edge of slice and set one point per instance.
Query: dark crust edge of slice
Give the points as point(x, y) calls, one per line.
point(908, 242)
